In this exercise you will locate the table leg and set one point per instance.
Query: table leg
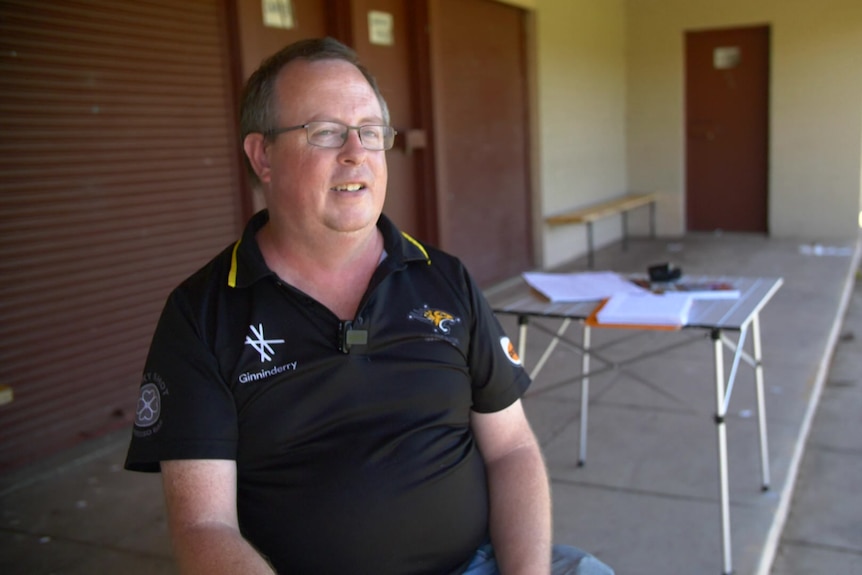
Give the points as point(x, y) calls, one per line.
point(590, 245)
point(585, 395)
point(761, 402)
point(550, 349)
point(721, 433)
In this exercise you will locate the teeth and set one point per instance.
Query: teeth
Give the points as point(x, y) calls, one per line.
point(349, 188)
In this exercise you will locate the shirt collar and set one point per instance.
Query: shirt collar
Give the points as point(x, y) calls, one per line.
point(247, 265)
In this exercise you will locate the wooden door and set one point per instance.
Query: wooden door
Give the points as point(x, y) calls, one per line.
point(381, 32)
point(257, 41)
point(482, 138)
point(727, 115)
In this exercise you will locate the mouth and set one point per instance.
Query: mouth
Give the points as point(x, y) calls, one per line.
point(352, 187)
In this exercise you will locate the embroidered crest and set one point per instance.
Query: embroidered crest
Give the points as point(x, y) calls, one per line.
point(441, 320)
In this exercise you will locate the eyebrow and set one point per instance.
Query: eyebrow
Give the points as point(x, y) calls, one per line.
point(366, 121)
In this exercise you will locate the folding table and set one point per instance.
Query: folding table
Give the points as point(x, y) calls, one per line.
point(716, 316)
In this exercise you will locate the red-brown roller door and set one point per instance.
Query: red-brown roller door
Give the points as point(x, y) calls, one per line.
point(118, 177)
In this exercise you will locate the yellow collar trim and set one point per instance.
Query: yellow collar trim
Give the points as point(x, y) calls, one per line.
point(231, 276)
point(418, 245)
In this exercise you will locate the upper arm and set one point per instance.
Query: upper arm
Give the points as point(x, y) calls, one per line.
point(498, 434)
point(199, 492)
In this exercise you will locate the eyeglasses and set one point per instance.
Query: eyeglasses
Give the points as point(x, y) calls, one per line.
point(334, 134)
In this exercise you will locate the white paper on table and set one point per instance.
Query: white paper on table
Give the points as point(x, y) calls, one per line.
point(710, 289)
point(646, 309)
point(580, 286)
point(714, 294)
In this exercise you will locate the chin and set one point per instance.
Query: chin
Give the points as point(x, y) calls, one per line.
point(353, 223)
point(355, 218)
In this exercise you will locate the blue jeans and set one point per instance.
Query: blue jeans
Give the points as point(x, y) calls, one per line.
point(565, 560)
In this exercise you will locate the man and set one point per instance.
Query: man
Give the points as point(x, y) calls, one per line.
point(329, 395)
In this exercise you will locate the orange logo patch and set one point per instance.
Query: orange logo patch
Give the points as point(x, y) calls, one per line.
point(509, 349)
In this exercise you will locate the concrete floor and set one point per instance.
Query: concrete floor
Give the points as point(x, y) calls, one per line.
point(647, 500)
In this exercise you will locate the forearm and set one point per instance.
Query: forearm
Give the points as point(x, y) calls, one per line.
point(200, 497)
point(521, 512)
point(216, 549)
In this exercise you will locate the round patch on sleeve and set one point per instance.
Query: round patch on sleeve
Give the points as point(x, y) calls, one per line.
point(149, 405)
point(509, 350)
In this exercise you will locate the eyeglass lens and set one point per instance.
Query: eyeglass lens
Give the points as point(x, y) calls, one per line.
point(333, 135)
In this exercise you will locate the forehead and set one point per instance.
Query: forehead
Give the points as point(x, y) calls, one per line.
point(325, 89)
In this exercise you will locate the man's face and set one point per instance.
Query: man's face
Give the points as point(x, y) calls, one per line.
point(313, 189)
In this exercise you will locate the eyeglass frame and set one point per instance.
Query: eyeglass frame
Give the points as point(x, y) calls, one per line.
point(278, 131)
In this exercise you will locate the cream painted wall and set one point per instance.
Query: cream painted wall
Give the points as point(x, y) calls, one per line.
point(815, 117)
point(580, 110)
point(608, 111)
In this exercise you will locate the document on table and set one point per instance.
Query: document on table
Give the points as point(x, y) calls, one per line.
point(646, 309)
point(699, 290)
point(581, 286)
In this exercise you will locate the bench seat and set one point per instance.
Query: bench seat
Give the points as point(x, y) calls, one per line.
point(589, 214)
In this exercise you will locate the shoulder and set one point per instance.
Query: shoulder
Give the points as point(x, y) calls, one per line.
point(197, 303)
point(444, 266)
point(239, 265)
point(210, 278)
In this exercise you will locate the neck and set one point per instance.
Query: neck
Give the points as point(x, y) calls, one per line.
point(329, 250)
point(335, 269)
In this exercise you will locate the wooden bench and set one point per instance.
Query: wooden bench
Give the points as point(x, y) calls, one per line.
point(589, 214)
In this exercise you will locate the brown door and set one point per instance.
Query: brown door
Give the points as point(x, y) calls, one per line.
point(478, 59)
point(381, 33)
point(727, 112)
point(258, 41)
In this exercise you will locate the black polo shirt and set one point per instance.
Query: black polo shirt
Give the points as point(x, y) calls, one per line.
point(352, 439)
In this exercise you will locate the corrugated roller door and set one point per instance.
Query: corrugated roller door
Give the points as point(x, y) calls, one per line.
point(118, 178)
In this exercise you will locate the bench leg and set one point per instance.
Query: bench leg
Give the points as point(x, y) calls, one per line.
point(625, 216)
point(652, 220)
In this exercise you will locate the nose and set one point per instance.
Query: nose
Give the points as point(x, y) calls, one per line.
point(352, 151)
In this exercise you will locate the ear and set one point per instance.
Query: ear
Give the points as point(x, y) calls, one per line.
point(255, 146)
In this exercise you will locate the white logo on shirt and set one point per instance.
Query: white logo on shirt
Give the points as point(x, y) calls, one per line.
point(261, 345)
